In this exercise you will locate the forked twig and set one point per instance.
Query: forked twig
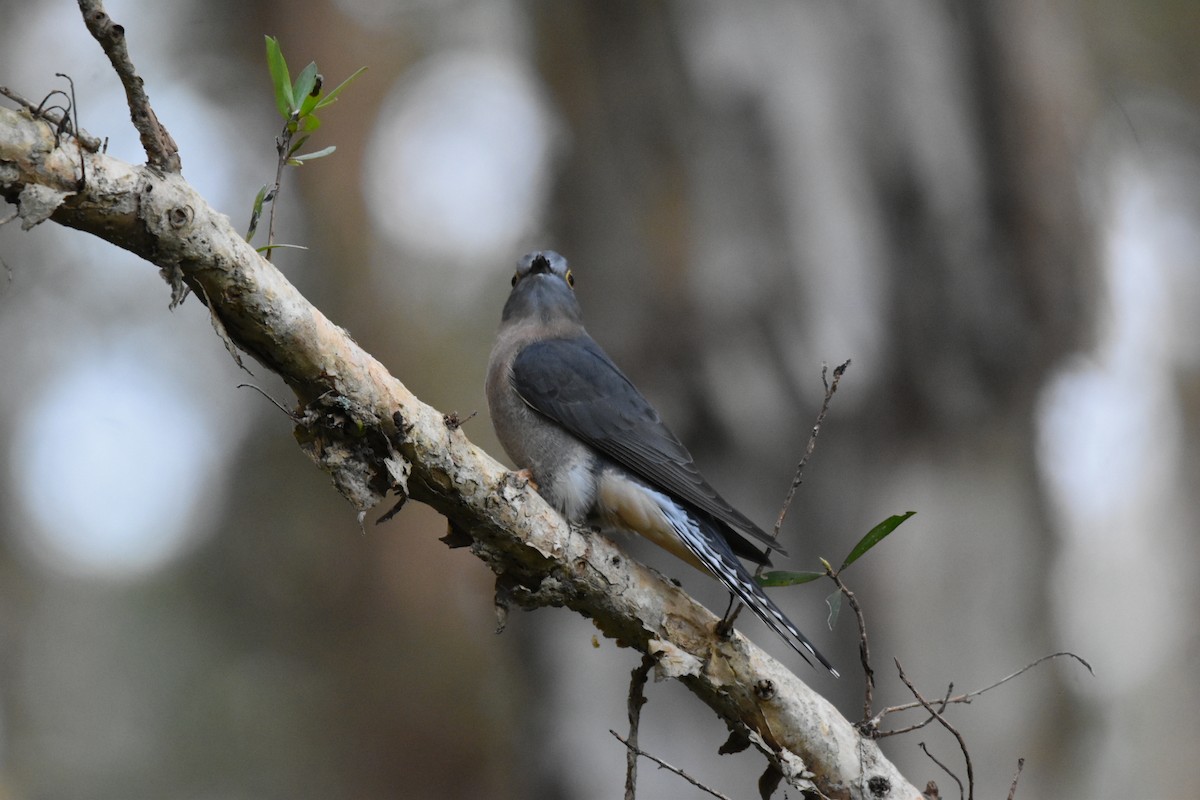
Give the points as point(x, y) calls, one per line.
point(967, 697)
point(916, 726)
point(945, 724)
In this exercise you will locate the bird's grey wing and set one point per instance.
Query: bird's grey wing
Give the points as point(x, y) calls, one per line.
point(575, 383)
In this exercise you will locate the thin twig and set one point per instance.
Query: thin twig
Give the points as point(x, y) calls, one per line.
point(864, 649)
point(55, 117)
point(669, 768)
point(830, 388)
point(161, 150)
point(1012, 790)
point(967, 697)
point(283, 143)
point(945, 769)
point(637, 699)
point(937, 715)
point(67, 122)
point(290, 414)
point(726, 624)
point(865, 726)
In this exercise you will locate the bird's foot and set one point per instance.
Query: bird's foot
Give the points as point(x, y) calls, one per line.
point(724, 628)
point(526, 477)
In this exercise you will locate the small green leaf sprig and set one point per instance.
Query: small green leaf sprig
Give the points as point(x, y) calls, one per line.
point(297, 102)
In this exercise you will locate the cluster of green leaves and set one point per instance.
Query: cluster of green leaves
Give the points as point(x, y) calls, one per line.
point(872, 538)
point(297, 102)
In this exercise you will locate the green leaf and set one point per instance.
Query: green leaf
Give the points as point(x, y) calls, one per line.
point(280, 78)
point(785, 578)
point(309, 123)
point(303, 86)
point(874, 537)
point(834, 601)
point(324, 151)
point(256, 212)
point(332, 96)
point(309, 102)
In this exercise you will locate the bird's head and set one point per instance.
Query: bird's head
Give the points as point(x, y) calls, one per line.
point(543, 289)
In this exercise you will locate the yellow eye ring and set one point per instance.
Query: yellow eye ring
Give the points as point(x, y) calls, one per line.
point(570, 279)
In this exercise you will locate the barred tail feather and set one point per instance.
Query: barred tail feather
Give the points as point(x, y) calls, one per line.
point(776, 620)
point(711, 549)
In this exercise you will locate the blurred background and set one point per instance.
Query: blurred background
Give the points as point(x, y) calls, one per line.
point(992, 207)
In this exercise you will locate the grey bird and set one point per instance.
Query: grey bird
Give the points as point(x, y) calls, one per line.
point(598, 451)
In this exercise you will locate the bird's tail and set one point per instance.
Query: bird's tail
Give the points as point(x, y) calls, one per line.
point(708, 544)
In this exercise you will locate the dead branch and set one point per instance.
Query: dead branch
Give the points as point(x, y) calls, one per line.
point(161, 150)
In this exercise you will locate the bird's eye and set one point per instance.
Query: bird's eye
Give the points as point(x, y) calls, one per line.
point(570, 279)
point(514, 280)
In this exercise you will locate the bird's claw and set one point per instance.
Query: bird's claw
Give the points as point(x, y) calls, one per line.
point(526, 477)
